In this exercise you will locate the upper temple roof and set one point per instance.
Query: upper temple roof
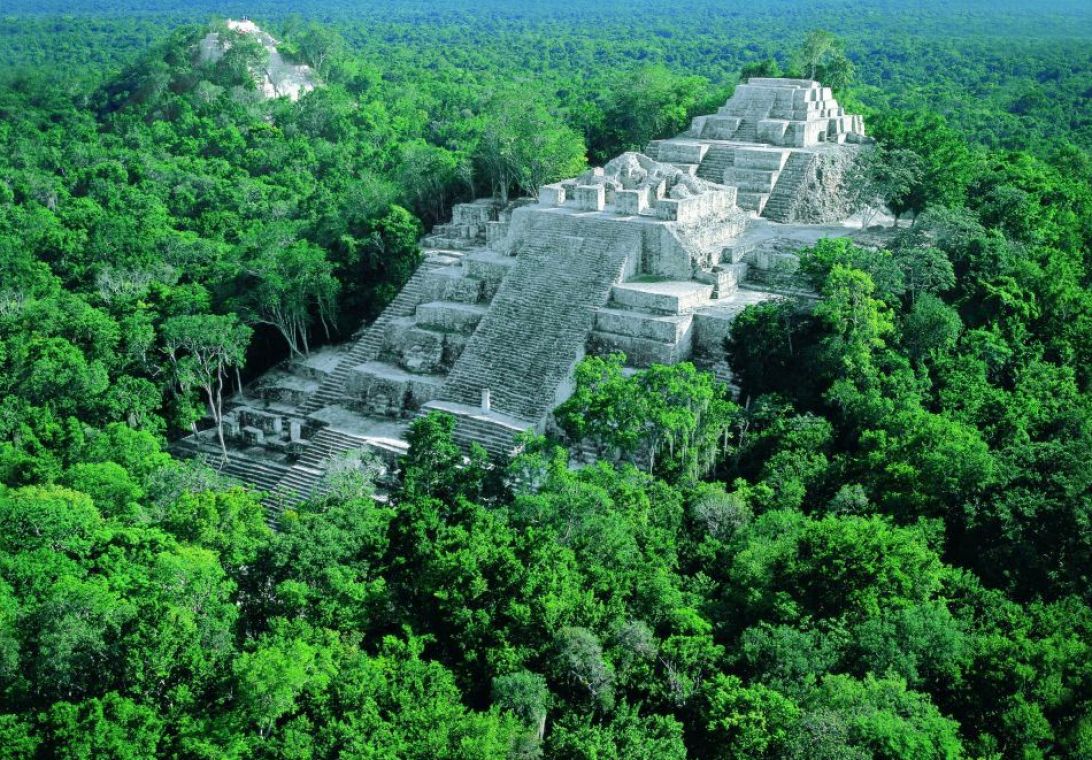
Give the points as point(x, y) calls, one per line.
point(793, 113)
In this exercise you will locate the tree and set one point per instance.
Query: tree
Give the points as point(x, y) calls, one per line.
point(881, 178)
point(769, 347)
point(817, 47)
point(78, 623)
point(230, 522)
point(847, 568)
point(111, 726)
point(925, 270)
point(647, 103)
point(931, 328)
point(114, 492)
point(48, 518)
point(278, 673)
point(858, 323)
point(524, 145)
point(319, 45)
point(326, 563)
point(747, 721)
point(768, 67)
point(201, 349)
point(435, 465)
point(430, 175)
point(396, 703)
point(626, 735)
point(294, 282)
point(947, 163)
point(822, 57)
point(579, 663)
point(886, 719)
point(674, 417)
point(525, 695)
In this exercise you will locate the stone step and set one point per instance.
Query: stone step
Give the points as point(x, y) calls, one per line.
point(761, 158)
point(495, 432)
point(386, 390)
point(450, 316)
point(450, 243)
point(640, 352)
point(257, 474)
point(747, 131)
point(260, 475)
point(369, 345)
point(725, 277)
point(717, 160)
point(422, 348)
point(452, 284)
point(297, 485)
point(790, 184)
point(668, 328)
point(681, 151)
point(720, 127)
point(752, 201)
point(489, 267)
point(537, 326)
point(328, 443)
point(773, 130)
point(304, 479)
point(751, 180)
point(665, 297)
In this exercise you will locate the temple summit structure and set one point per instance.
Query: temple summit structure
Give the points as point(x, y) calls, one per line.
point(653, 254)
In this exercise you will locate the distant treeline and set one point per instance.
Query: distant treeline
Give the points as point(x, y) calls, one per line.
point(1016, 76)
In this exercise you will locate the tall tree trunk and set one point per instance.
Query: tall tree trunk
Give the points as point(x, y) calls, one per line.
point(216, 407)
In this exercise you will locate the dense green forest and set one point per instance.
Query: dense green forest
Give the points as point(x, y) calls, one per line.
point(882, 548)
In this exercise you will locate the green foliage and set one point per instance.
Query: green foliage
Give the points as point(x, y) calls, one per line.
point(627, 735)
point(523, 145)
point(288, 281)
point(945, 162)
point(648, 103)
point(674, 418)
point(748, 722)
point(884, 553)
point(822, 56)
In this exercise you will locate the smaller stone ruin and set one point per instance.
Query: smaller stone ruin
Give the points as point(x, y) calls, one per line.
point(278, 78)
point(634, 184)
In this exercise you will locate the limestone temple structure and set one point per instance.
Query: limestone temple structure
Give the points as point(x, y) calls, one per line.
point(653, 254)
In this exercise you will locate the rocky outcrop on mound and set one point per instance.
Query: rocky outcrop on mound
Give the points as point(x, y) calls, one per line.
point(277, 77)
point(815, 190)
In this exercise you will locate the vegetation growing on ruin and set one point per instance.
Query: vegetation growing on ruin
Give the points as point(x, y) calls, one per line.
point(882, 550)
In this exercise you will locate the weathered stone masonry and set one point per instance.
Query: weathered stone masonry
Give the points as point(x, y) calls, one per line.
point(653, 254)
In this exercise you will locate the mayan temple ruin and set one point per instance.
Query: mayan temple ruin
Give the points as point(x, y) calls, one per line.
point(653, 254)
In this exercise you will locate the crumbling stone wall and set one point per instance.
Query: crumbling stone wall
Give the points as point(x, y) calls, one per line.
point(821, 193)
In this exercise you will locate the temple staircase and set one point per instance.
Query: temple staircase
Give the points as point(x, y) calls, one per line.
point(368, 346)
point(536, 329)
point(789, 187)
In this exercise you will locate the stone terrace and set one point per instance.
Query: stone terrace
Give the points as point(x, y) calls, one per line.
point(772, 141)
